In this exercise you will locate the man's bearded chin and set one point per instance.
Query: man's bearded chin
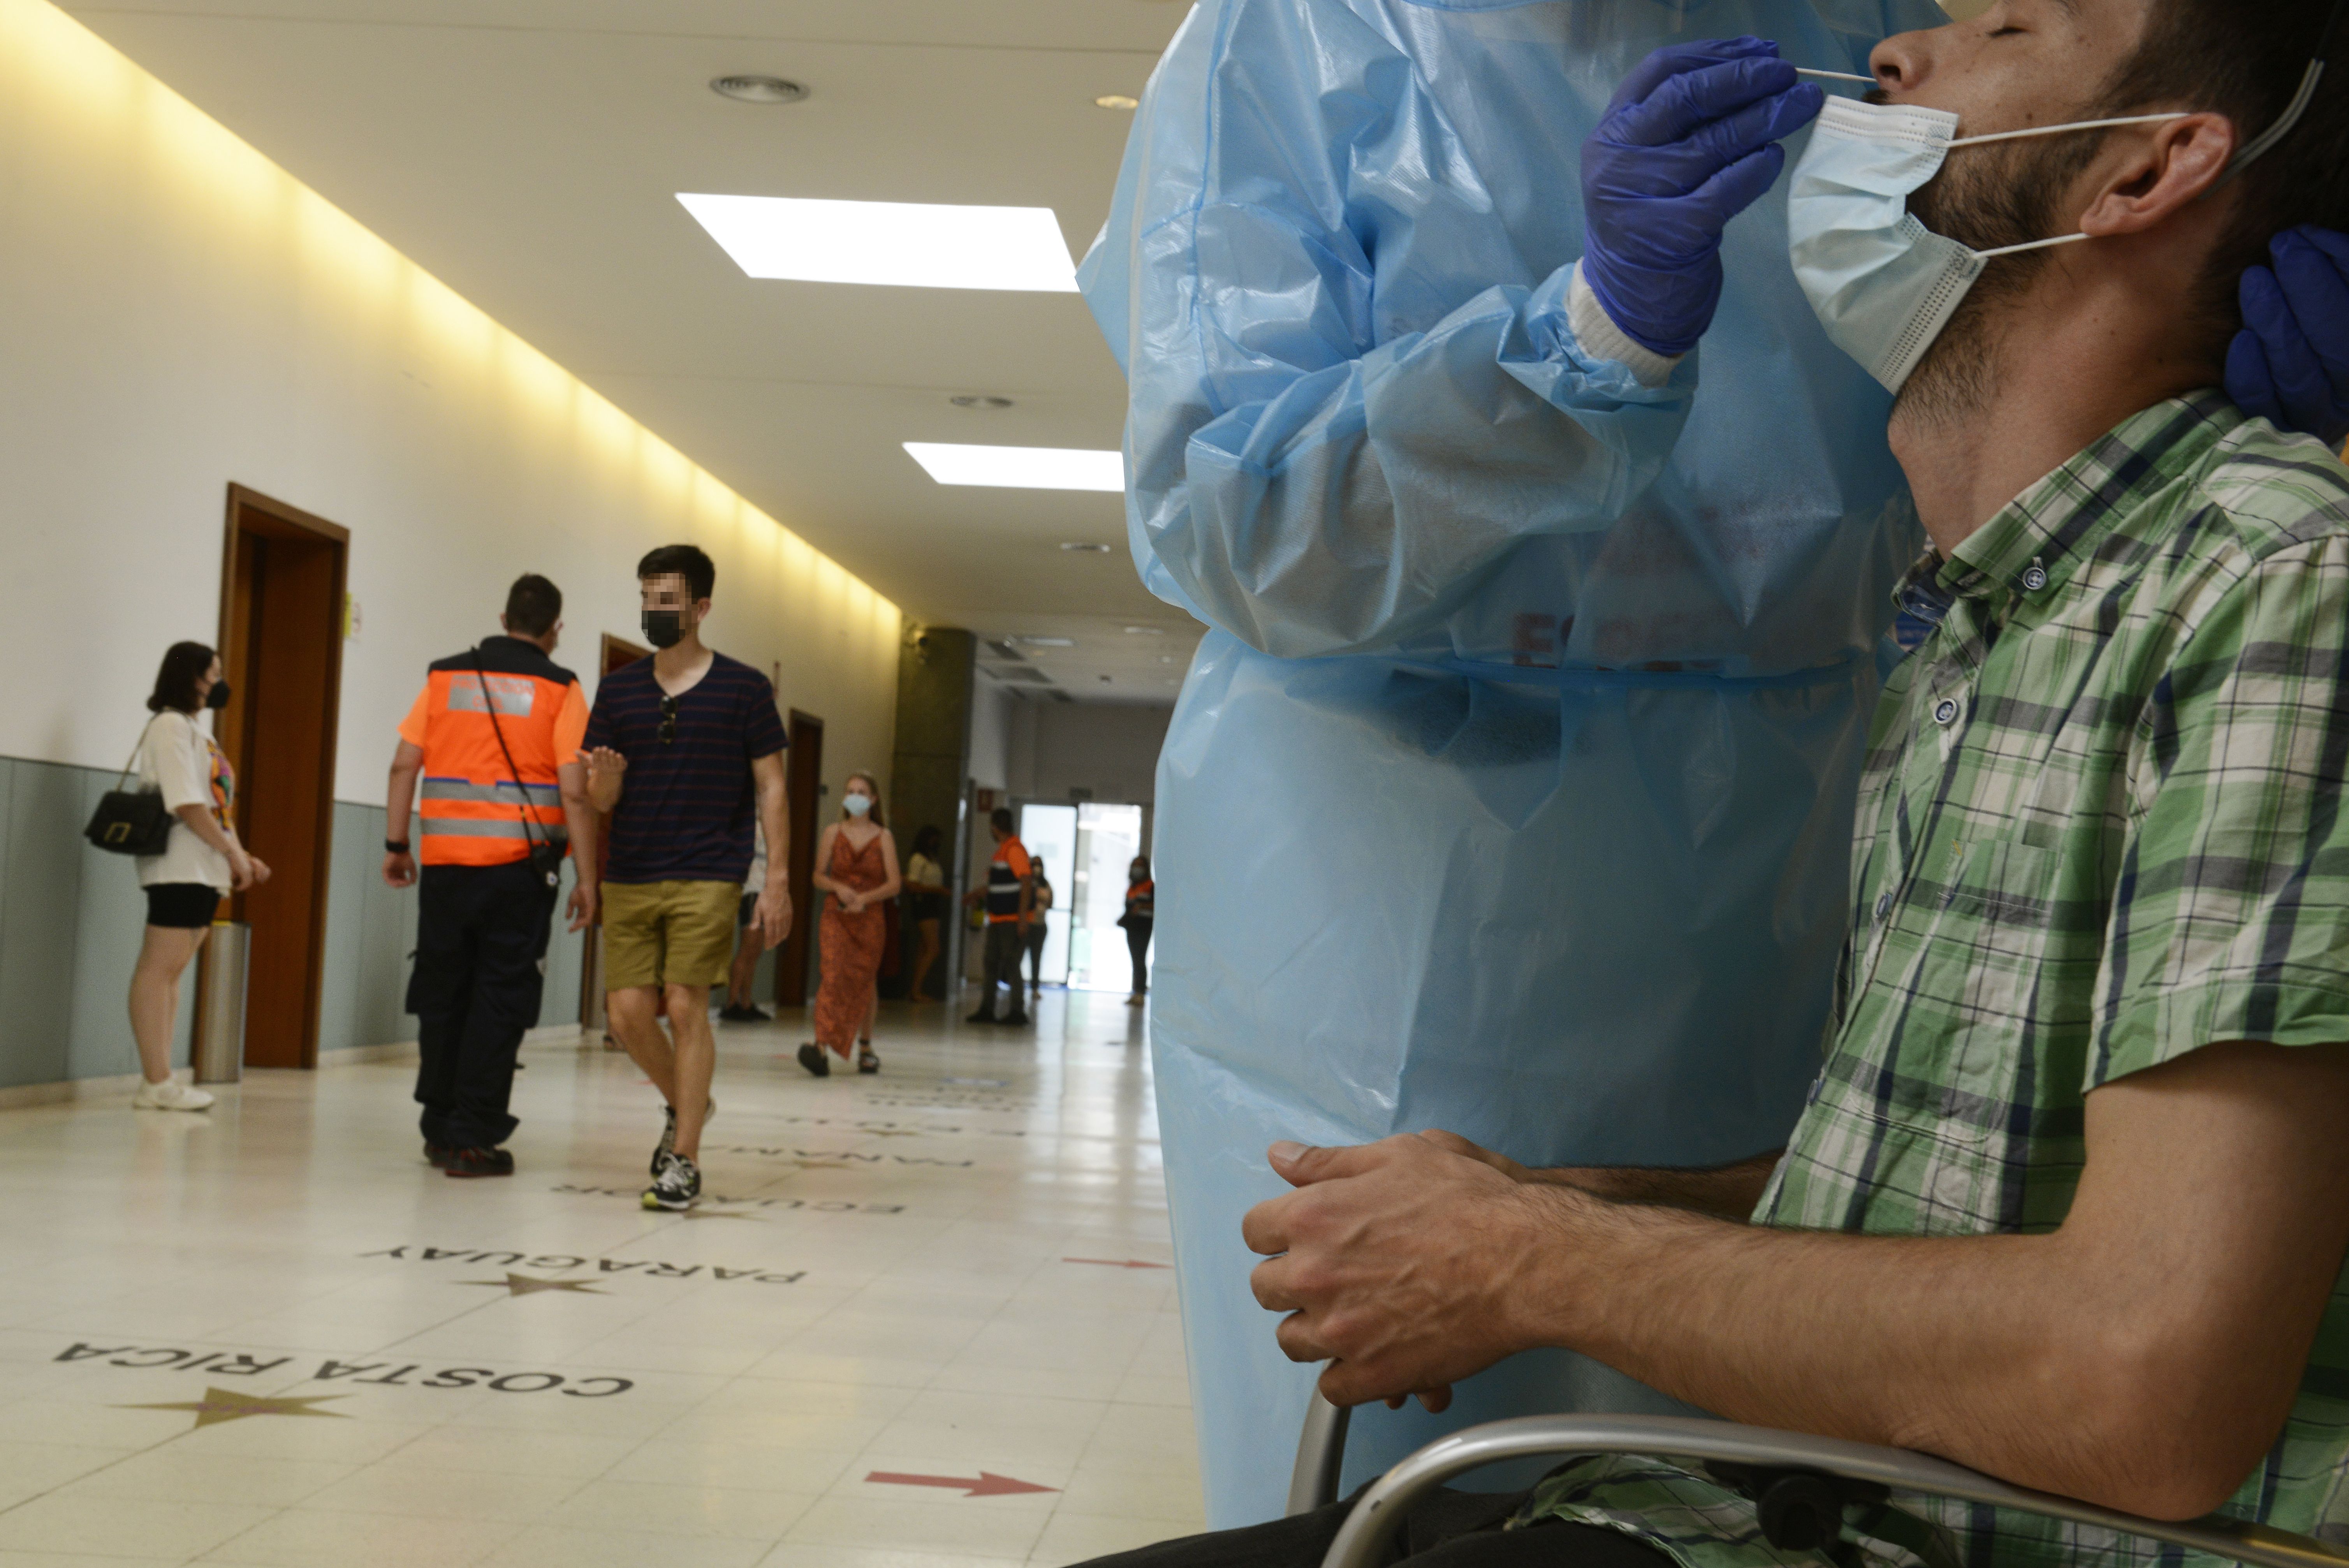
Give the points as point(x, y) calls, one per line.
point(1985, 198)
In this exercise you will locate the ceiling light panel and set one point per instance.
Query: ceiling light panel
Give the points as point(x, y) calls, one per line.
point(1021, 467)
point(904, 244)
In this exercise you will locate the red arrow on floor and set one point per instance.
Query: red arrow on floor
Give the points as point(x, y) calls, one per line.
point(1118, 1263)
point(987, 1484)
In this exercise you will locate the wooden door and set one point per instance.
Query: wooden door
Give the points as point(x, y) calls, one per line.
point(805, 773)
point(281, 645)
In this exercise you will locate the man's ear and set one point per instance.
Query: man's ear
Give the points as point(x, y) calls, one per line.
point(2165, 168)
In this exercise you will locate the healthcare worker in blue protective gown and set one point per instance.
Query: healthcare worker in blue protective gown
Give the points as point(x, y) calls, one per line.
point(1510, 788)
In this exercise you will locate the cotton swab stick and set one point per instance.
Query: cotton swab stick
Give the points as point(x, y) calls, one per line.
point(1833, 76)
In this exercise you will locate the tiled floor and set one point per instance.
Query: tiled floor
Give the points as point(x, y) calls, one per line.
point(271, 1334)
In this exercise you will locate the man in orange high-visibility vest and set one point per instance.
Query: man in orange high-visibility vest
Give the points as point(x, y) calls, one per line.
point(494, 737)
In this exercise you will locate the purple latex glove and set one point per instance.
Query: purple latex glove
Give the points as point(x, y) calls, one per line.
point(1689, 141)
point(2290, 361)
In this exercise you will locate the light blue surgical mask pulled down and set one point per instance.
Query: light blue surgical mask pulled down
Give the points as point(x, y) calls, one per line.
point(1882, 284)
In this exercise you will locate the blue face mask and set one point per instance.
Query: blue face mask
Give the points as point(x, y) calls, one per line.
point(1882, 284)
point(856, 804)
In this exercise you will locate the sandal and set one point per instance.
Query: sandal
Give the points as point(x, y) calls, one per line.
point(866, 1062)
point(812, 1058)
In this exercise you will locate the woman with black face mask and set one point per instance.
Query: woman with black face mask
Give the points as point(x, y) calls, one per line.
point(202, 859)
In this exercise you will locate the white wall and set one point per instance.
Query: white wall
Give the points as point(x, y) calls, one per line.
point(1110, 749)
point(992, 708)
point(179, 313)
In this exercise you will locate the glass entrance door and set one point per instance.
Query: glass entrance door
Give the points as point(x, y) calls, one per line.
point(1049, 832)
point(1108, 839)
point(1084, 851)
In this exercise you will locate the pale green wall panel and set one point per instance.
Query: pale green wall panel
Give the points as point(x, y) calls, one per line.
point(38, 924)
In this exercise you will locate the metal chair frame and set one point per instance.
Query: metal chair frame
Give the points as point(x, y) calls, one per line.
point(1368, 1529)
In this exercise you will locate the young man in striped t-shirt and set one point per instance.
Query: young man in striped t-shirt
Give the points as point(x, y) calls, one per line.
point(685, 750)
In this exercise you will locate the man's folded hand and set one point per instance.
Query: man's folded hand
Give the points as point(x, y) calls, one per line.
point(1404, 1263)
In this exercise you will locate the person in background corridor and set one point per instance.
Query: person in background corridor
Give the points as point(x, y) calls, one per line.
point(494, 736)
point(1007, 898)
point(856, 864)
point(741, 1007)
point(927, 895)
point(201, 860)
point(686, 750)
point(1140, 914)
point(1034, 932)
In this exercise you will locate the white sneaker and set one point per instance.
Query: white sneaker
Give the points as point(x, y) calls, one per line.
point(170, 1095)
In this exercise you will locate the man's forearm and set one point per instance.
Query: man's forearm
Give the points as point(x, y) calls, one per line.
point(774, 820)
point(579, 819)
point(399, 802)
point(1964, 1347)
point(1727, 1191)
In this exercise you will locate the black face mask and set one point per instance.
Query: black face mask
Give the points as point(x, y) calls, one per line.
point(664, 628)
point(217, 699)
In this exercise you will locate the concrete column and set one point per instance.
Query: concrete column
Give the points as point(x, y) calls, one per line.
point(936, 667)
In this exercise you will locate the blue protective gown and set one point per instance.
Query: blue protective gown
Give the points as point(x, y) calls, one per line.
point(1511, 788)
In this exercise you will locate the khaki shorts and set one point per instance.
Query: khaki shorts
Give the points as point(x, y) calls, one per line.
point(669, 933)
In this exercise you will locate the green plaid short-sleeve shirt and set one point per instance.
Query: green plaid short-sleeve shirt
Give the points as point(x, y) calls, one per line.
point(2099, 827)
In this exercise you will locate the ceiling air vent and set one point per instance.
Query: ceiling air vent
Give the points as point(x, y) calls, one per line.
point(758, 89)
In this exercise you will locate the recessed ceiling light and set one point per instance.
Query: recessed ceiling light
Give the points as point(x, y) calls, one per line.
point(979, 400)
point(1116, 100)
point(1021, 467)
point(909, 244)
point(758, 89)
point(1145, 631)
point(1081, 547)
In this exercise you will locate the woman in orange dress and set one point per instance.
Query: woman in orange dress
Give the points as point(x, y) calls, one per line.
point(856, 870)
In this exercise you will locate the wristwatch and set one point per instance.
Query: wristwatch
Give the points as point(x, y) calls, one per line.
point(394, 846)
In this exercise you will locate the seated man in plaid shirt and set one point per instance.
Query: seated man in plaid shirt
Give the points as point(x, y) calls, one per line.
point(2070, 1200)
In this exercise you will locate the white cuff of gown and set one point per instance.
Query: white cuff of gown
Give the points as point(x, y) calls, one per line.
point(1600, 338)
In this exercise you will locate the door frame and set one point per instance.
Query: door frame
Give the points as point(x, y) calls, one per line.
point(289, 521)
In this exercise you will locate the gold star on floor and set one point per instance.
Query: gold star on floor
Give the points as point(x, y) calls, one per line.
point(219, 1405)
point(523, 1285)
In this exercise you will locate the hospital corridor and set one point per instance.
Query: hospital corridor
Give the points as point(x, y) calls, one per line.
point(932, 1322)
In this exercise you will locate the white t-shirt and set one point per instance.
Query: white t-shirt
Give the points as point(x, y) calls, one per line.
point(922, 868)
point(179, 759)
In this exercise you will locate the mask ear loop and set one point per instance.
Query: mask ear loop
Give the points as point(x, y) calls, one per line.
point(2299, 99)
point(2070, 125)
point(2054, 129)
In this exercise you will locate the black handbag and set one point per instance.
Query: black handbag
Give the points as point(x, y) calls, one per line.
point(130, 821)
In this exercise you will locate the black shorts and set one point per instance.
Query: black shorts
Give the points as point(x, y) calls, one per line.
point(749, 911)
point(182, 906)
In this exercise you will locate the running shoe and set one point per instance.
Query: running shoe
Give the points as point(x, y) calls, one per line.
point(677, 1186)
point(667, 1145)
point(170, 1095)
